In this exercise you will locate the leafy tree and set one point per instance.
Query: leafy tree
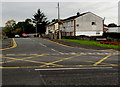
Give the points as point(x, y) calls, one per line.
point(40, 20)
point(112, 25)
point(55, 20)
point(17, 31)
point(9, 27)
point(26, 26)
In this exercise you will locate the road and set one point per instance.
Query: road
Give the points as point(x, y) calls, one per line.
point(39, 62)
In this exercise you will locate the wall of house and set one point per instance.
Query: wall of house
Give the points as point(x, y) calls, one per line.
point(67, 28)
point(89, 24)
point(51, 28)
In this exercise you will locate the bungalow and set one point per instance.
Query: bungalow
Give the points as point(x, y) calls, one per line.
point(87, 24)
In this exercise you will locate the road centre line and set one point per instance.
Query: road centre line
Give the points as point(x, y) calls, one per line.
point(56, 51)
point(80, 68)
point(98, 62)
point(42, 45)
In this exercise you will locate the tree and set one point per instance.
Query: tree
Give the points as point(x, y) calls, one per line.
point(112, 25)
point(40, 20)
point(55, 20)
point(9, 27)
point(17, 31)
point(25, 26)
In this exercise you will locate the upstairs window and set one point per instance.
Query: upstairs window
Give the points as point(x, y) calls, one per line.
point(77, 25)
point(93, 23)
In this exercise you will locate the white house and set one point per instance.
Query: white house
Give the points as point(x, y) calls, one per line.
point(51, 28)
point(87, 24)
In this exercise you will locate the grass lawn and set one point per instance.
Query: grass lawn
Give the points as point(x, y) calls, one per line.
point(92, 43)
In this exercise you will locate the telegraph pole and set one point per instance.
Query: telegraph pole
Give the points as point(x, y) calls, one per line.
point(59, 33)
point(36, 28)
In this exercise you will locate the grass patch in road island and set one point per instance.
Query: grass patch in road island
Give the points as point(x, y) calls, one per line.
point(92, 43)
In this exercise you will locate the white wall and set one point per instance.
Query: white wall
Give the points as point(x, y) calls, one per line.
point(92, 33)
point(67, 26)
point(51, 28)
point(85, 25)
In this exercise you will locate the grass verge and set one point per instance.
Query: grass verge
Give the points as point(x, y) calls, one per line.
point(92, 43)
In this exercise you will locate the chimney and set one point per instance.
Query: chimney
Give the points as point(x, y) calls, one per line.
point(78, 13)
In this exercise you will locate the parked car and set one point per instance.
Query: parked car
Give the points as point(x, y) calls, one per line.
point(17, 36)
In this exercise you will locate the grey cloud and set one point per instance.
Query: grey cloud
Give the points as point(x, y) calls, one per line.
point(22, 10)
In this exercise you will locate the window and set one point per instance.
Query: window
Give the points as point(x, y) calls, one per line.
point(77, 25)
point(97, 32)
point(93, 23)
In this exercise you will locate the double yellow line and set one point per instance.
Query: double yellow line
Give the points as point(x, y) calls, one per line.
point(14, 45)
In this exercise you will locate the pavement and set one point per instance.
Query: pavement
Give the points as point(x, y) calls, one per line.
point(40, 62)
point(6, 43)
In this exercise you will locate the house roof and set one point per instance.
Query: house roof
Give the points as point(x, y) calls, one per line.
point(52, 23)
point(73, 17)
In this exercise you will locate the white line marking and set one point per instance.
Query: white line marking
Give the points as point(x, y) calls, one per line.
point(53, 49)
point(50, 69)
point(22, 54)
point(10, 54)
point(42, 44)
point(34, 54)
point(56, 51)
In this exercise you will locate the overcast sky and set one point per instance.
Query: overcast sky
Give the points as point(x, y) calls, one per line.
point(19, 10)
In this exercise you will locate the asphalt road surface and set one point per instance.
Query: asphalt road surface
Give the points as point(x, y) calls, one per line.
point(39, 62)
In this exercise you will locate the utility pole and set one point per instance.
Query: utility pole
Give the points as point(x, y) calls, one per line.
point(36, 28)
point(59, 33)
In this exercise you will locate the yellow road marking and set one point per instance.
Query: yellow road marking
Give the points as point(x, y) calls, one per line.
point(61, 60)
point(23, 59)
point(14, 45)
point(55, 65)
point(52, 66)
point(101, 60)
point(14, 59)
